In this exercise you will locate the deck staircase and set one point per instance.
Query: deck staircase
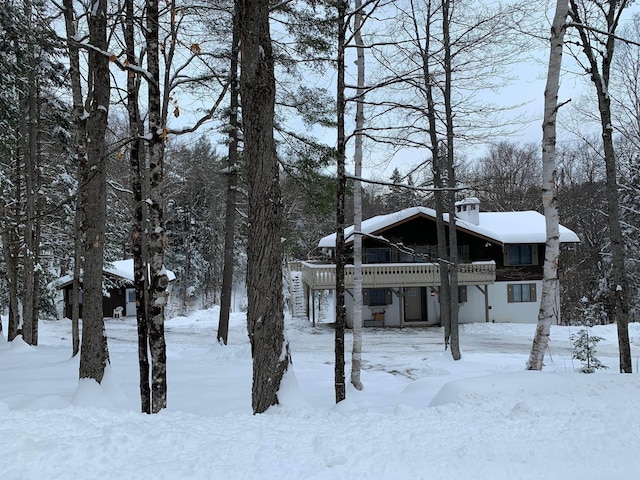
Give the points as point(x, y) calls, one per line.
point(298, 300)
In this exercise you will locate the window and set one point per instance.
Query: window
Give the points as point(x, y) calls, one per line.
point(376, 296)
point(463, 253)
point(521, 255)
point(378, 255)
point(521, 292)
point(462, 294)
point(420, 255)
point(131, 295)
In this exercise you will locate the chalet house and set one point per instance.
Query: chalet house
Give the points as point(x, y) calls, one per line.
point(120, 295)
point(500, 254)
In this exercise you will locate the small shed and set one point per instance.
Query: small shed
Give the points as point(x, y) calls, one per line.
point(120, 297)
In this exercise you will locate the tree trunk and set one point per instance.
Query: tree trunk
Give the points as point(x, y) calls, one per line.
point(339, 376)
point(443, 257)
point(451, 184)
point(619, 300)
point(9, 244)
point(156, 236)
point(94, 355)
point(265, 316)
point(356, 354)
point(13, 201)
point(80, 152)
point(437, 170)
point(30, 153)
point(548, 305)
point(138, 165)
point(232, 182)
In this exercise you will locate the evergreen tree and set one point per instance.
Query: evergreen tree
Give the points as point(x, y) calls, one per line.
point(584, 343)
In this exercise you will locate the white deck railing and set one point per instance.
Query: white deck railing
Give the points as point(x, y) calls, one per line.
point(384, 275)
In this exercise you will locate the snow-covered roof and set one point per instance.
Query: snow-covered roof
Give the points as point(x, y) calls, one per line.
point(120, 268)
point(501, 227)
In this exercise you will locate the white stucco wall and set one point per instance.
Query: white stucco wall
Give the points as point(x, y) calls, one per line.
point(504, 312)
point(472, 311)
point(391, 312)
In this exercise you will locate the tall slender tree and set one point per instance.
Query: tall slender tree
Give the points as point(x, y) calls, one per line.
point(265, 316)
point(596, 23)
point(137, 164)
point(80, 154)
point(232, 183)
point(94, 355)
point(548, 305)
point(356, 356)
point(447, 12)
point(341, 313)
point(156, 238)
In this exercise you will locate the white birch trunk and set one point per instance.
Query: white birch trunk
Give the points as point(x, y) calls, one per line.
point(548, 304)
point(356, 354)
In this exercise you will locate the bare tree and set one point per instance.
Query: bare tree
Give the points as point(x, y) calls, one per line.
point(596, 24)
point(156, 238)
point(137, 165)
point(447, 64)
point(265, 316)
point(356, 356)
point(548, 303)
point(339, 377)
point(79, 150)
point(507, 178)
point(232, 182)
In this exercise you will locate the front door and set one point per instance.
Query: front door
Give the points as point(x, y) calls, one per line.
point(415, 307)
point(130, 309)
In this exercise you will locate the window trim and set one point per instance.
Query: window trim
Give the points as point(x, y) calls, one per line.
point(511, 294)
point(366, 297)
point(507, 254)
point(371, 249)
point(462, 294)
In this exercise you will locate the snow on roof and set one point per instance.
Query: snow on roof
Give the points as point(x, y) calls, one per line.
point(120, 268)
point(501, 227)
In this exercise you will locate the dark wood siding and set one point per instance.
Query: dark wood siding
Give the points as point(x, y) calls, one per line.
point(117, 299)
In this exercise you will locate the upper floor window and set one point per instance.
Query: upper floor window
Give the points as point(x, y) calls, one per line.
point(521, 255)
point(378, 255)
point(415, 254)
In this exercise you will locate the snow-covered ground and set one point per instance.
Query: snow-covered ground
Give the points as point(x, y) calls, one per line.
point(420, 416)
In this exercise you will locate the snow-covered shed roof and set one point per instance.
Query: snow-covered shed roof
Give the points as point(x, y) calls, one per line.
point(501, 227)
point(120, 268)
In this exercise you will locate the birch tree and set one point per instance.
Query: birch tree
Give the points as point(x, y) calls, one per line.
point(548, 303)
point(356, 356)
point(137, 165)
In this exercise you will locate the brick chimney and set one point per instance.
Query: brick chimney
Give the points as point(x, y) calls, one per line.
point(468, 210)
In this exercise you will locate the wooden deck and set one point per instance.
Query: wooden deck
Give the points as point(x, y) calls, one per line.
point(385, 275)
